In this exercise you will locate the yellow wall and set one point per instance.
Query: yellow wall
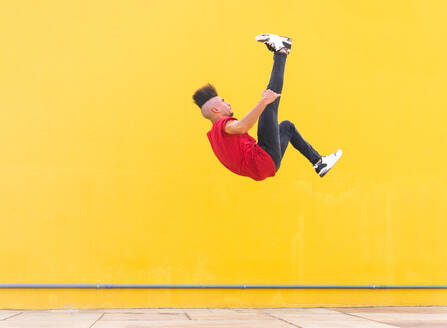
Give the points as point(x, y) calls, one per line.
point(107, 175)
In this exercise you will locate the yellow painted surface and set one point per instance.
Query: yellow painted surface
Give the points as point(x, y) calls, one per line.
point(107, 175)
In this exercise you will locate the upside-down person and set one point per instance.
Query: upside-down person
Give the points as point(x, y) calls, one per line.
point(229, 137)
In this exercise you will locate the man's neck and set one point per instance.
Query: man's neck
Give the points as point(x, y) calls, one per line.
point(215, 119)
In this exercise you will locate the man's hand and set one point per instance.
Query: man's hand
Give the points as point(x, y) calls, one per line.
point(269, 96)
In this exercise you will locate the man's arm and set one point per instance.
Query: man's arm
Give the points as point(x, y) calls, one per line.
point(247, 122)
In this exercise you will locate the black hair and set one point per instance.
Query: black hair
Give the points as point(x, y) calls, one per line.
point(204, 94)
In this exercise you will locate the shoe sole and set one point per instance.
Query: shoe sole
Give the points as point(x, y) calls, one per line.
point(262, 37)
point(266, 37)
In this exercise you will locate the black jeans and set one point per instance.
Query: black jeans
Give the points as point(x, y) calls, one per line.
point(273, 137)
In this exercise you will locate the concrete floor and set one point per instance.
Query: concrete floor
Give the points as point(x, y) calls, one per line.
point(373, 317)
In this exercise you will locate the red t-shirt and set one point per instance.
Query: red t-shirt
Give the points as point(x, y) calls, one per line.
point(240, 153)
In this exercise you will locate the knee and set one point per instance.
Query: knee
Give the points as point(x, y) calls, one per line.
point(286, 125)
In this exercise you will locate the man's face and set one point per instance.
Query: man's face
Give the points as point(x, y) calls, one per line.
point(223, 106)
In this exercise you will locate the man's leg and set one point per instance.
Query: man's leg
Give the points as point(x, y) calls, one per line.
point(288, 132)
point(268, 128)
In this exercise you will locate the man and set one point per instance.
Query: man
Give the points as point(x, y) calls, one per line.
point(229, 139)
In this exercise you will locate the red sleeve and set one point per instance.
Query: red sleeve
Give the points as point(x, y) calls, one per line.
point(221, 123)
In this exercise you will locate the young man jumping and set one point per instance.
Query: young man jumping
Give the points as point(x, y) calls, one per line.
point(229, 139)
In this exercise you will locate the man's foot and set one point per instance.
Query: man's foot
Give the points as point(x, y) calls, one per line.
point(275, 42)
point(327, 162)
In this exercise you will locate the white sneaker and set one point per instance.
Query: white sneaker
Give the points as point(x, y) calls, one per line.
point(275, 42)
point(327, 162)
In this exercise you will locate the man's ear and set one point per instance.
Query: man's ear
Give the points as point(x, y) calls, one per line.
point(215, 110)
